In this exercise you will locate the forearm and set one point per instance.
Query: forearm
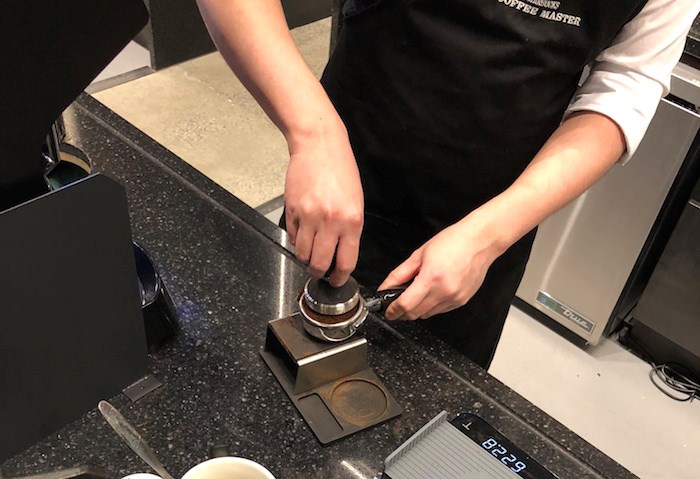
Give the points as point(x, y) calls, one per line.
point(254, 40)
point(322, 195)
point(579, 153)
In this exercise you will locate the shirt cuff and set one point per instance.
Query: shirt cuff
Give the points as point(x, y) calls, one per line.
point(628, 98)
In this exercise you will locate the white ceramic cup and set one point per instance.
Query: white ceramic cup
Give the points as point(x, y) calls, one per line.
point(228, 468)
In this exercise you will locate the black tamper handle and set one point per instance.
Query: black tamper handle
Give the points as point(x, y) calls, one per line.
point(331, 267)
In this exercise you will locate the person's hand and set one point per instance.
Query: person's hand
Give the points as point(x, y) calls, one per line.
point(446, 272)
point(324, 203)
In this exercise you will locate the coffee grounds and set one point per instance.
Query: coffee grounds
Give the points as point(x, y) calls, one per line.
point(328, 318)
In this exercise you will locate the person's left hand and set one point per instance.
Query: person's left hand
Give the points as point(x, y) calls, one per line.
point(446, 272)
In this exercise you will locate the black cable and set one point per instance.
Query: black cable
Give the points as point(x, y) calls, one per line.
point(625, 338)
point(673, 379)
point(678, 379)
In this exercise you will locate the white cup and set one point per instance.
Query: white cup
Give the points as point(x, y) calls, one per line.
point(228, 468)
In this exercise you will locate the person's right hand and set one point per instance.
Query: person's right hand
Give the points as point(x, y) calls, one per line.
point(323, 195)
point(324, 203)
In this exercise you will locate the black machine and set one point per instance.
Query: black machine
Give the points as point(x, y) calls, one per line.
point(50, 53)
point(75, 289)
point(665, 325)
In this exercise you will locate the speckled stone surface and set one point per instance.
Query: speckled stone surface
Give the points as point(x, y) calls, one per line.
point(229, 274)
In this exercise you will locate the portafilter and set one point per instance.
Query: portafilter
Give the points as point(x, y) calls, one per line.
point(334, 314)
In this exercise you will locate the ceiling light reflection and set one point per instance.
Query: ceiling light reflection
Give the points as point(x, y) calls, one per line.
point(353, 470)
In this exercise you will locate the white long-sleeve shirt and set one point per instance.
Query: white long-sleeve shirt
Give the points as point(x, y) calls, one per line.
point(628, 78)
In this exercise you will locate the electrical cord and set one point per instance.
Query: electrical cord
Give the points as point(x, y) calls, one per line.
point(672, 379)
point(683, 387)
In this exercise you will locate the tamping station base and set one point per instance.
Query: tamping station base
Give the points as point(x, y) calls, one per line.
point(330, 384)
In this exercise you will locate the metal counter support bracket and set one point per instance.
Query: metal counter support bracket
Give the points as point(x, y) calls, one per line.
point(330, 384)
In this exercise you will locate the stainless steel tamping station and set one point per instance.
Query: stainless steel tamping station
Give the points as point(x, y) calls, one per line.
point(322, 365)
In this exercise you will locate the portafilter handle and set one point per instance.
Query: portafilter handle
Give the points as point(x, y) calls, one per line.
point(380, 300)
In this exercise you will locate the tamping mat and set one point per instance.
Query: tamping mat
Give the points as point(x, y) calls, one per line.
point(330, 384)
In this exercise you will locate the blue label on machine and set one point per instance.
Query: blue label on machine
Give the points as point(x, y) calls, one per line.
point(561, 309)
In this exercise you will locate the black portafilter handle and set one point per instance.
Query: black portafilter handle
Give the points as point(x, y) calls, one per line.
point(380, 300)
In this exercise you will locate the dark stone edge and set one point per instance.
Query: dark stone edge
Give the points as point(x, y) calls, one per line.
point(191, 177)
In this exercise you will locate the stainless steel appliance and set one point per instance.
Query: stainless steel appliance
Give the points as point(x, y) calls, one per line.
point(592, 259)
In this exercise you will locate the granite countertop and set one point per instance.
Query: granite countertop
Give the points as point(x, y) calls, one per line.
point(229, 274)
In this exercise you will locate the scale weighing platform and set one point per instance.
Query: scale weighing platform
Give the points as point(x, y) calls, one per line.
point(465, 448)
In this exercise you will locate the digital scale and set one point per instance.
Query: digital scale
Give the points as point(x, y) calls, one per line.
point(465, 448)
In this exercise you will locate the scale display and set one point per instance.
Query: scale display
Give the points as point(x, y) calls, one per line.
point(466, 447)
point(500, 447)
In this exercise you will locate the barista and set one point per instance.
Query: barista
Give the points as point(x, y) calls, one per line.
point(443, 132)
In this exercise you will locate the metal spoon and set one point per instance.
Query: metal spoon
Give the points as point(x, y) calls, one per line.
point(132, 438)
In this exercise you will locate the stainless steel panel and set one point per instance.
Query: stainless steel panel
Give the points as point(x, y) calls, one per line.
point(685, 83)
point(583, 254)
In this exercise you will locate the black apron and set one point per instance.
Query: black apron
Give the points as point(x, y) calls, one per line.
point(446, 102)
